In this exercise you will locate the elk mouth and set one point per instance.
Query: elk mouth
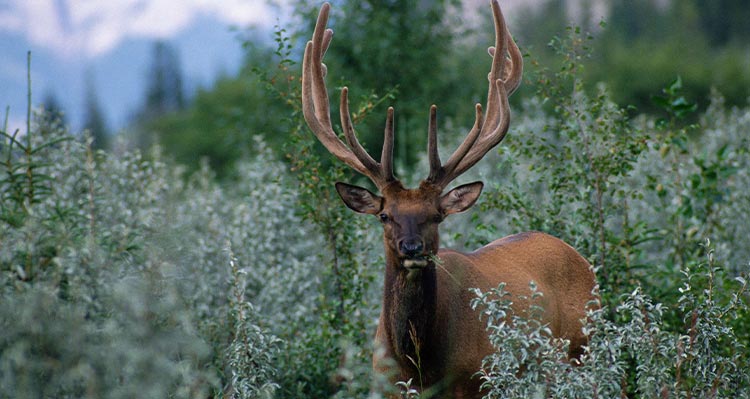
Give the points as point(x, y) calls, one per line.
point(415, 263)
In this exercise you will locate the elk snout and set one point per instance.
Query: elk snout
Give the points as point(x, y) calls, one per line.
point(411, 247)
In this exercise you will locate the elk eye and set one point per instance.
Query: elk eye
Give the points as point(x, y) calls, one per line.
point(384, 218)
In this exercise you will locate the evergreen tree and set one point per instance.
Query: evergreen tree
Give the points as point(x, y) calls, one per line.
point(724, 21)
point(53, 109)
point(539, 25)
point(164, 92)
point(633, 19)
point(94, 120)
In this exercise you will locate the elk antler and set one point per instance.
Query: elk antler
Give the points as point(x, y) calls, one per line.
point(486, 133)
point(315, 108)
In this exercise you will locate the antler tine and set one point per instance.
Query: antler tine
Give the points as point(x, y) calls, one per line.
point(438, 172)
point(485, 142)
point(321, 39)
point(497, 68)
point(386, 156)
point(513, 77)
point(351, 137)
point(468, 143)
point(316, 108)
point(432, 146)
point(487, 134)
point(516, 61)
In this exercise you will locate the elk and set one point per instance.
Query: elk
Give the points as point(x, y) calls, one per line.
point(426, 291)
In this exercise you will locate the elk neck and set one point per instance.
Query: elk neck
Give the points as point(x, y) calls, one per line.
point(409, 311)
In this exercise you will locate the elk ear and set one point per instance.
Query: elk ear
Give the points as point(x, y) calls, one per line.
point(359, 199)
point(461, 198)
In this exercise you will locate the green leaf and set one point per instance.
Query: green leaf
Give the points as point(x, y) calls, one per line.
point(660, 101)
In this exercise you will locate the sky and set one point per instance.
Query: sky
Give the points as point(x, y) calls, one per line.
point(90, 28)
point(113, 38)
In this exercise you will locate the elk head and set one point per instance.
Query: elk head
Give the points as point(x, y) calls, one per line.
point(411, 217)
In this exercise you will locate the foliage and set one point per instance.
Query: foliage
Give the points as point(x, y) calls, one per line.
point(252, 350)
point(123, 275)
point(83, 314)
point(219, 123)
point(164, 91)
point(635, 196)
point(670, 36)
point(642, 44)
point(164, 94)
point(635, 357)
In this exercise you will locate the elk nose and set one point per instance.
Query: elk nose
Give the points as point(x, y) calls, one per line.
point(411, 247)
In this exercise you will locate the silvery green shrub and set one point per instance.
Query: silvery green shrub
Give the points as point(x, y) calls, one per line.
point(635, 355)
point(115, 276)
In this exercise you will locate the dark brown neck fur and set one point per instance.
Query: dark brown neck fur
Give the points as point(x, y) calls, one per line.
point(410, 304)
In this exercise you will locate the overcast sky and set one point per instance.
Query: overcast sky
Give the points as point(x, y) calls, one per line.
point(87, 28)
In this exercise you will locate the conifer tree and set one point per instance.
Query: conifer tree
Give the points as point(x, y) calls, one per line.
point(94, 120)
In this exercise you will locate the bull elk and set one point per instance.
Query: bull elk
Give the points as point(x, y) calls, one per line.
point(426, 293)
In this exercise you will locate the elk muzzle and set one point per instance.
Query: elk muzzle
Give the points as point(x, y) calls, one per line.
point(411, 250)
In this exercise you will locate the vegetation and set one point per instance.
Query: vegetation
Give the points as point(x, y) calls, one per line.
point(124, 274)
point(94, 121)
point(643, 44)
